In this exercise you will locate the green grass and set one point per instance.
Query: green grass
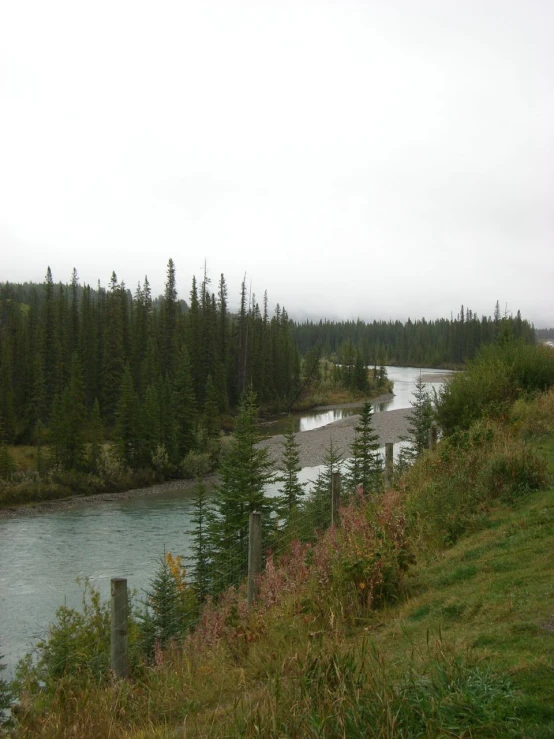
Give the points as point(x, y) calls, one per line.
point(467, 650)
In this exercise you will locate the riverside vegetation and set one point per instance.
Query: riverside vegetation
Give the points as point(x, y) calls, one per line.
point(104, 390)
point(427, 612)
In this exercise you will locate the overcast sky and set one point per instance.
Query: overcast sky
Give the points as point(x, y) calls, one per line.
point(380, 159)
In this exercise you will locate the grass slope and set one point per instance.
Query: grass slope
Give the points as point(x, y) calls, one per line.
point(465, 650)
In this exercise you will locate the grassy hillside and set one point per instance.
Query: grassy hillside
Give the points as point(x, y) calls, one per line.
point(429, 613)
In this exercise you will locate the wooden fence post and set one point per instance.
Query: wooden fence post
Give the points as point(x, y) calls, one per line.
point(335, 498)
point(254, 555)
point(119, 632)
point(389, 463)
point(433, 435)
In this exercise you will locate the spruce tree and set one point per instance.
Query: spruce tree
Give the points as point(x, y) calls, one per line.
point(292, 491)
point(67, 421)
point(244, 473)
point(365, 466)
point(185, 405)
point(419, 424)
point(318, 507)
point(95, 437)
point(210, 416)
point(200, 545)
point(126, 431)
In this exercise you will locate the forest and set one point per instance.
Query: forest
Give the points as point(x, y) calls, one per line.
point(440, 343)
point(102, 380)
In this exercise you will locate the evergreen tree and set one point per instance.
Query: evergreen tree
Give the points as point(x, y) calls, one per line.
point(170, 605)
point(95, 437)
point(169, 320)
point(419, 424)
point(8, 418)
point(365, 466)
point(185, 405)
point(244, 473)
point(210, 416)
point(114, 356)
point(359, 379)
point(68, 421)
point(200, 548)
point(126, 431)
point(293, 491)
point(318, 507)
point(7, 465)
point(151, 428)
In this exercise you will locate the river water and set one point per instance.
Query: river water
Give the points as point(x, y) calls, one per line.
point(42, 555)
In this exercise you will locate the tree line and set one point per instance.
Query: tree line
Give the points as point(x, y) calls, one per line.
point(80, 365)
point(443, 342)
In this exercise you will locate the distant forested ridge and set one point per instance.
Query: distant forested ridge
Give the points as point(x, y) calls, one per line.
point(545, 334)
point(147, 372)
point(418, 343)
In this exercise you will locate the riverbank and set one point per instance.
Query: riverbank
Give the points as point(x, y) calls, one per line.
point(390, 426)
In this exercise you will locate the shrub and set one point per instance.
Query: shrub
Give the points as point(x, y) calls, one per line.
point(533, 416)
point(196, 464)
point(452, 488)
point(497, 376)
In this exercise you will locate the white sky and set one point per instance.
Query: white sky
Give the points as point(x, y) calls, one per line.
point(380, 159)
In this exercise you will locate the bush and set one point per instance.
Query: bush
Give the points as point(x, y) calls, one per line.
point(498, 375)
point(533, 417)
point(196, 464)
point(452, 488)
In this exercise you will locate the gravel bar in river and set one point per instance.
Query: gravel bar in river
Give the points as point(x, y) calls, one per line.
point(390, 425)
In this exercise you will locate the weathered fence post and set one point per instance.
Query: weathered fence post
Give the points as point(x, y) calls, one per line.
point(389, 463)
point(119, 638)
point(335, 498)
point(254, 554)
point(433, 435)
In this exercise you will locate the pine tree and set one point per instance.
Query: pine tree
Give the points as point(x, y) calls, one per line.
point(185, 405)
point(244, 473)
point(68, 421)
point(365, 466)
point(359, 379)
point(170, 605)
point(420, 421)
point(114, 357)
point(95, 437)
point(169, 319)
point(210, 416)
point(293, 491)
point(150, 424)
point(126, 416)
point(318, 507)
point(199, 536)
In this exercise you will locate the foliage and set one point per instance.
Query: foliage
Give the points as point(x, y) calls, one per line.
point(157, 369)
point(245, 471)
point(420, 343)
point(170, 606)
point(455, 485)
point(317, 507)
point(365, 465)
point(200, 553)
point(77, 647)
point(5, 693)
point(497, 376)
point(419, 425)
point(293, 491)
point(336, 693)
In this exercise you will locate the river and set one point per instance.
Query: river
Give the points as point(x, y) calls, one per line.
point(42, 555)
